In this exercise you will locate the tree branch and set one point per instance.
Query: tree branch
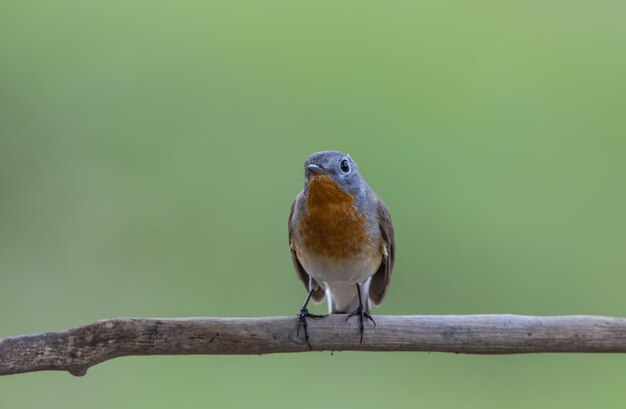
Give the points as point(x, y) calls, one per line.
point(77, 349)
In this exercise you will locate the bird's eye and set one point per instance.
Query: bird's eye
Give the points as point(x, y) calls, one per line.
point(345, 166)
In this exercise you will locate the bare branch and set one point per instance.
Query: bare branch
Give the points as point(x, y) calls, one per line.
point(77, 349)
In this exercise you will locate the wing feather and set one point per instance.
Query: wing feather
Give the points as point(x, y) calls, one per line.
point(382, 277)
point(308, 281)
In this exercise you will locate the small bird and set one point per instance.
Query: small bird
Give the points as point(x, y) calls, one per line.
point(341, 239)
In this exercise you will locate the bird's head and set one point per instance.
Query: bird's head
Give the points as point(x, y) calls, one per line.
point(337, 166)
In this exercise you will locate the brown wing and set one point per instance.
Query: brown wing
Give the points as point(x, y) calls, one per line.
point(309, 283)
point(382, 277)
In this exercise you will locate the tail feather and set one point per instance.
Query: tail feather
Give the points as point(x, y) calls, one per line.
point(345, 299)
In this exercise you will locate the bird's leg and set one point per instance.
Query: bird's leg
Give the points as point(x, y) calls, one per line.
point(303, 315)
point(362, 313)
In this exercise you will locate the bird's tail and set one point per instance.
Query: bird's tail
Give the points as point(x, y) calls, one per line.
point(344, 298)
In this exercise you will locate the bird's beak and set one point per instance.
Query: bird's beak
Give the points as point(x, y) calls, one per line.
point(315, 170)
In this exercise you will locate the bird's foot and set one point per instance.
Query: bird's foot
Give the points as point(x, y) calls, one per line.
point(363, 314)
point(301, 322)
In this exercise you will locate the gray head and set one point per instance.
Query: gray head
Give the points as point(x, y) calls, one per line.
point(340, 167)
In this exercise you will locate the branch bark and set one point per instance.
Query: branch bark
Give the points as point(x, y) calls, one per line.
point(77, 349)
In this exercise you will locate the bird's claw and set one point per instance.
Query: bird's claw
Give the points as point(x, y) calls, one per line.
point(301, 323)
point(363, 314)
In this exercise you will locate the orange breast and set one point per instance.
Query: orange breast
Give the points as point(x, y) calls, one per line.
point(331, 226)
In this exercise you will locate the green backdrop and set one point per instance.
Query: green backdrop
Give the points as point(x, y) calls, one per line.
point(149, 153)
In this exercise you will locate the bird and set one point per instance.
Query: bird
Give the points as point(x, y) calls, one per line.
point(341, 239)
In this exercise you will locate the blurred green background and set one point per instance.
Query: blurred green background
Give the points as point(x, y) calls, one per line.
point(149, 153)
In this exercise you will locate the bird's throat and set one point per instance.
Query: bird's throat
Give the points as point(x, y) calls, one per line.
point(324, 191)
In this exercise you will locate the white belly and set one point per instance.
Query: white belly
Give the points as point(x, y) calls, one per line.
point(350, 270)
